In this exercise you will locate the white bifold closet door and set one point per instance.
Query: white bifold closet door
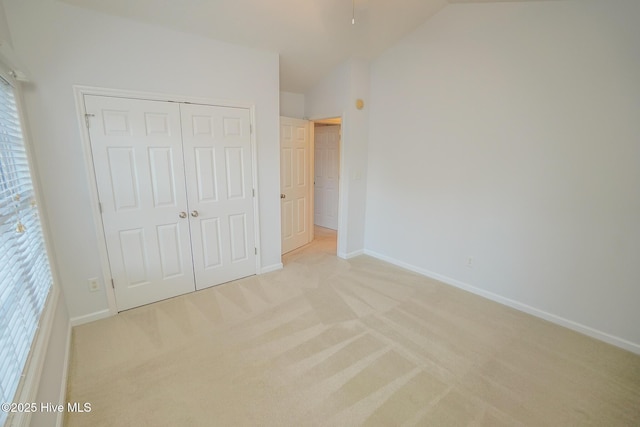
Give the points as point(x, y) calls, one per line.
point(175, 188)
point(217, 158)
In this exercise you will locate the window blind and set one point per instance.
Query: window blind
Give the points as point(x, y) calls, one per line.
point(25, 276)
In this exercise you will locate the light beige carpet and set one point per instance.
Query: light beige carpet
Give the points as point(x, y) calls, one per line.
point(329, 342)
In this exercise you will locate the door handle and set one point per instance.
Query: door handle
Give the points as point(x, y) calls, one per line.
point(283, 196)
point(182, 215)
point(194, 214)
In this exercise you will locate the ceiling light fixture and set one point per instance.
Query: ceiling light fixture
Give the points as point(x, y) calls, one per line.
point(353, 14)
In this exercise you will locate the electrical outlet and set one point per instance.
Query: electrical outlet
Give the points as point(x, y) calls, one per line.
point(470, 261)
point(94, 285)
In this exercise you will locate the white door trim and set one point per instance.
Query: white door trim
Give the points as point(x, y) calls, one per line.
point(312, 173)
point(79, 93)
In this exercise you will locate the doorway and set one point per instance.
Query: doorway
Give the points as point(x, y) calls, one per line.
point(326, 142)
point(309, 207)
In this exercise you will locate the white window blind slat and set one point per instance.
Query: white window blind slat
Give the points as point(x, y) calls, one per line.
point(25, 276)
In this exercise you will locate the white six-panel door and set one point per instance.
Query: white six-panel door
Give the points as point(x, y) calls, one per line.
point(295, 183)
point(137, 154)
point(175, 187)
point(217, 155)
point(326, 171)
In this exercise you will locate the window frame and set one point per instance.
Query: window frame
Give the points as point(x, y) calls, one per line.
point(31, 374)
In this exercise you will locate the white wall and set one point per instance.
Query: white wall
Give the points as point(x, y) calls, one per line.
point(355, 132)
point(335, 96)
point(5, 36)
point(62, 46)
point(292, 105)
point(328, 98)
point(509, 132)
point(7, 56)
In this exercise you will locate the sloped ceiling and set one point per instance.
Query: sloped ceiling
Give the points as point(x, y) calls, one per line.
point(311, 36)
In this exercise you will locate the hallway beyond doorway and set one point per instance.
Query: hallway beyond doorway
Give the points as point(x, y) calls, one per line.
point(324, 243)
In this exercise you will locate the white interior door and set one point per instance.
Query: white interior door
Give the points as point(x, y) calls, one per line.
point(326, 171)
point(217, 155)
point(137, 154)
point(295, 186)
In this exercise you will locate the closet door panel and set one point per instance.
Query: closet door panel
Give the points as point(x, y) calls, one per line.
point(137, 153)
point(217, 155)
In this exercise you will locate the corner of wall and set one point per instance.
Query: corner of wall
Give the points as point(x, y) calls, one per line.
point(292, 105)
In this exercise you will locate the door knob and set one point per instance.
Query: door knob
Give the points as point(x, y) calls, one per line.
point(283, 196)
point(182, 214)
point(194, 214)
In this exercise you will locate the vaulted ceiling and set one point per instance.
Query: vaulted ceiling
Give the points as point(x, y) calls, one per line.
point(311, 36)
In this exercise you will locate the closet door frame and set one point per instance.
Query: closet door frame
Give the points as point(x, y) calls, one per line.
point(79, 94)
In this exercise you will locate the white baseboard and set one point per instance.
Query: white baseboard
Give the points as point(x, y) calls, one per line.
point(350, 255)
point(578, 327)
point(270, 268)
point(65, 375)
point(81, 320)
